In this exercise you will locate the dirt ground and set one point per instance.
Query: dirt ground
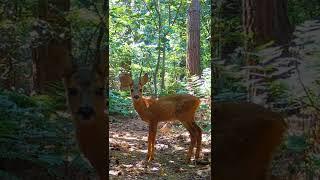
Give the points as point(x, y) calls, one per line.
point(128, 149)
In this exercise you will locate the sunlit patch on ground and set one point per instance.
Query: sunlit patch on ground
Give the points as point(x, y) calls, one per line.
point(128, 149)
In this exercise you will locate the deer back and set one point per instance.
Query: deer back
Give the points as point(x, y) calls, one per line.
point(246, 135)
point(168, 107)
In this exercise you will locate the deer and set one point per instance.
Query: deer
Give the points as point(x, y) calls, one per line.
point(85, 92)
point(246, 136)
point(151, 110)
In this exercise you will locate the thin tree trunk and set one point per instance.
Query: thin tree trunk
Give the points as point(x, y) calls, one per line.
point(163, 73)
point(247, 7)
point(162, 86)
point(159, 50)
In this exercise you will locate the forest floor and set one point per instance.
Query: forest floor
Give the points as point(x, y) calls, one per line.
point(128, 149)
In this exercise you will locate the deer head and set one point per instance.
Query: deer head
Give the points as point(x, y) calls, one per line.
point(136, 86)
point(85, 90)
point(85, 95)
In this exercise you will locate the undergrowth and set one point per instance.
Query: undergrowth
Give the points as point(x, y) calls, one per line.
point(34, 135)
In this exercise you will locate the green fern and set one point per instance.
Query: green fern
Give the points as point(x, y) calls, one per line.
point(8, 176)
point(31, 131)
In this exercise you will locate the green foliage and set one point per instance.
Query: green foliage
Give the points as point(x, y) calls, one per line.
point(8, 176)
point(31, 130)
point(227, 95)
point(14, 43)
point(79, 163)
point(302, 10)
point(55, 96)
point(274, 77)
point(135, 34)
point(298, 150)
point(296, 144)
point(174, 87)
point(22, 101)
point(201, 88)
point(140, 34)
point(278, 90)
point(314, 162)
point(120, 103)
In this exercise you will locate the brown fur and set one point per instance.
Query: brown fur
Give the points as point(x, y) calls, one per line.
point(245, 137)
point(180, 107)
point(85, 88)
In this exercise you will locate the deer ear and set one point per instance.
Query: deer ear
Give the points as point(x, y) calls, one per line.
point(144, 79)
point(125, 80)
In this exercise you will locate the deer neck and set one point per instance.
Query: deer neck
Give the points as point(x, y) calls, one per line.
point(142, 107)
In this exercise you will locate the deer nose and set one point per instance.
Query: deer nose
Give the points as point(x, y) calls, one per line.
point(136, 96)
point(86, 111)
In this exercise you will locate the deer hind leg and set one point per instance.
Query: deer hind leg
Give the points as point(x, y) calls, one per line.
point(193, 134)
point(151, 140)
point(198, 139)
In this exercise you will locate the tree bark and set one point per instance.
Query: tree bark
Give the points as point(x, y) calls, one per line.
point(267, 20)
point(49, 59)
point(263, 21)
point(193, 49)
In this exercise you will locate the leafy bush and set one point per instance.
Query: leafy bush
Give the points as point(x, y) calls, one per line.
point(32, 131)
point(120, 103)
point(201, 87)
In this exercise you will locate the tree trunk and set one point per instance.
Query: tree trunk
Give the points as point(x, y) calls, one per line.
point(49, 59)
point(8, 76)
point(263, 21)
point(267, 20)
point(158, 62)
point(193, 54)
point(163, 72)
point(163, 66)
point(159, 50)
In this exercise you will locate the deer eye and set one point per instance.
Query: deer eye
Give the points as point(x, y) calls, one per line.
point(100, 91)
point(131, 90)
point(140, 90)
point(72, 91)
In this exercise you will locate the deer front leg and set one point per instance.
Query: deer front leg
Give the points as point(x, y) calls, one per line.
point(151, 140)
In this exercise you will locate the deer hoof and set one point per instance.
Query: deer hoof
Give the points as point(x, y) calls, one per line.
point(197, 157)
point(149, 158)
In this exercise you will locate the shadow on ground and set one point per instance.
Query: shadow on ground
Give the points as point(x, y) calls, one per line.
point(128, 149)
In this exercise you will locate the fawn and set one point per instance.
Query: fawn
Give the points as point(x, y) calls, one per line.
point(180, 107)
point(246, 135)
point(85, 95)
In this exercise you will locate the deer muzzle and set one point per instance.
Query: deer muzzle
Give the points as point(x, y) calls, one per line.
point(86, 112)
